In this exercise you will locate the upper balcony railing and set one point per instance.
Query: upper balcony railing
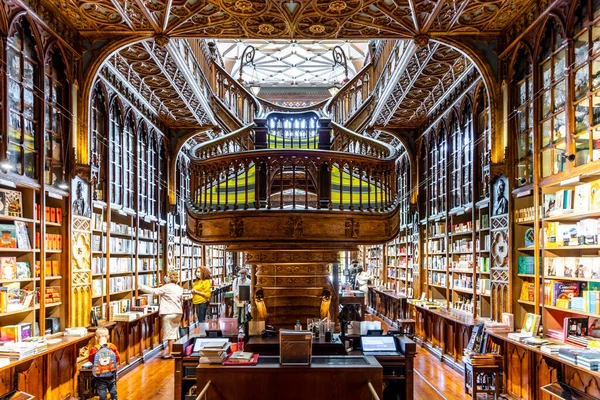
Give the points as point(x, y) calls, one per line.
point(293, 161)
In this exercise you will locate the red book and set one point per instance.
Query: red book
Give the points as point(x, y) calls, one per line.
point(252, 360)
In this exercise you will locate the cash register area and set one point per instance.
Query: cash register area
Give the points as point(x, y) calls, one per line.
point(156, 379)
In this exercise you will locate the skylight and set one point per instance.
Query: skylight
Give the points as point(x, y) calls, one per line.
point(306, 63)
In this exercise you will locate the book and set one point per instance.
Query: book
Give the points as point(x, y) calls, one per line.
point(240, 356)
point(531, 324)
point(581, 198)
point(23, 270)
point(8, 236)
point(12, 205)
point(8, 268)
point(252, 361)
point(22, 233)
point(549, 204)
point(595, 195)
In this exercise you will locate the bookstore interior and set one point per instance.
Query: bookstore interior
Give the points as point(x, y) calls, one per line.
point(388, 199)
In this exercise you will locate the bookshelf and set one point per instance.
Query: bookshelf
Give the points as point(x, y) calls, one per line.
point(374, 257)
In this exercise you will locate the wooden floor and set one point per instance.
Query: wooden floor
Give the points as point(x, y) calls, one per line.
point(154, 380)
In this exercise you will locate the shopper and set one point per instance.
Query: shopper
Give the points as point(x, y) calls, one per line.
point(170, 309)
point(239, 306)
point(104, 357)
point(201, 292)
point(363, 279)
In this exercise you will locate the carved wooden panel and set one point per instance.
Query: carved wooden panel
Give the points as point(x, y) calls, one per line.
point(580, 380)
point(62, 370)
point(6, 381)
point(135, 340)
point(518, 378)
point(545, 374)
point(119, 338)
point(81, 278)
point(31, 377)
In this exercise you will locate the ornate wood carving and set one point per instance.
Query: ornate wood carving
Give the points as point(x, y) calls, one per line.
point(293, 226)
point(353, 228)
point(236, 227)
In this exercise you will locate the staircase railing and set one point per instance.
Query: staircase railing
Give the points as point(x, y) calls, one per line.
point(235, 96)
point(268, 107)
point(348, 141)
point(352, 95)
point(231, 143)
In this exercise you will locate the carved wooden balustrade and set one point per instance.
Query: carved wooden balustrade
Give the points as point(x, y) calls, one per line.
point(293, 163)
point(235, 96)
point(352, 96)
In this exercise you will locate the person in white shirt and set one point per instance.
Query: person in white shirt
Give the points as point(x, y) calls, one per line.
point(240, 306)
point(362, 280)
point(170, 309)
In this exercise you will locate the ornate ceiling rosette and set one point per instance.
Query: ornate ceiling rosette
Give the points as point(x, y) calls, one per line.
point(267, 27)
point(479, 15)
point(337, 8)
point(245, 8)
point(136, 52)
point(317, 26)
point(101, 13)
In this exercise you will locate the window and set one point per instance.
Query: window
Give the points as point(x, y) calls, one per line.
point(142, 170)
point(586, 90)
point(441, 172)
point(162, 179)
point(55, 91)
point(467, 155)
point(433, 174)
point(98, 143)
point(456, 159)
point(22, 124)
point(128, 163)
point(523, 84)
point(484, 143)
point(116, 161)
point(552, 102)
point(152, 174)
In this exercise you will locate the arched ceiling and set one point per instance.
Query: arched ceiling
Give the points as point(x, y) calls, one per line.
point(293, 19)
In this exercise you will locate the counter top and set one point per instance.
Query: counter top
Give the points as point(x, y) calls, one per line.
point(461, 319)
point(65, 342)
point(318, 362)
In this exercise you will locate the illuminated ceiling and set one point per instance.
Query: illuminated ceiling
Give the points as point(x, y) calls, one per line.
point(292, 62)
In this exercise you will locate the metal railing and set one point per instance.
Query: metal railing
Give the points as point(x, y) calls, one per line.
point(204, 392)
point(371, 388)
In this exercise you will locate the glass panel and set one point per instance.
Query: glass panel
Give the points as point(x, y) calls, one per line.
point(582, 144)
point(559, 158)
point(530, 87)
point(546, 133)
point(559, 127)
point(596, 73)
point(530, 143)
point(522, 116)
point(28, 74)
point(596, 7)
point(30, 158)
point(546, 163)
point(559, 65)
point(596, 145)
point(596, 109)
point(581, 48)
point(581, 116)
point(546, 104)
point(522, 146)
point(546, 74)
point(14, 95)
point(581, 82)
point(595, 38)
point(530, 119)
point(14, 127)
point(28, 103)
point(559, 95)
point(522, 173)
point(522, 90)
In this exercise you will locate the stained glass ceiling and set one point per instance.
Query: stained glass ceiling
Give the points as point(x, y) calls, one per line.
point(293, 62)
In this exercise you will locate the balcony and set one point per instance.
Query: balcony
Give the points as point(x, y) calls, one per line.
point(293, 178)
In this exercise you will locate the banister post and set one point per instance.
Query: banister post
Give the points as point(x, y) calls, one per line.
point(260, 133)
point(324, 134)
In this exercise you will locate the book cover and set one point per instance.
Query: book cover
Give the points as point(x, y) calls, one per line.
point(8, 236)
point(531, 324)
point(595, 195)
point(549, 204)
point(581, 201)
point(22, 233)
point(13, 203)
point(8, 268)
point(23, 270)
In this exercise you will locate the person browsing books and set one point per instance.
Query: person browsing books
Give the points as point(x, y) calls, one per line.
point(104, 357)
point(201, 292)
point(362, 280)
point(239, 305)
point(170, 309)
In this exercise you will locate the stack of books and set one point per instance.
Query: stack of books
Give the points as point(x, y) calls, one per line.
point(569, 355)
point(496, 327)
point(241, 358)
point(553, 349)
point(589, 359)
point(535, 342)
point(214, 353)
point(17, 350)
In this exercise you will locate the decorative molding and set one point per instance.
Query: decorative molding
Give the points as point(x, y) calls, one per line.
point(293, 227)
point(236, 227)
point(352, 228)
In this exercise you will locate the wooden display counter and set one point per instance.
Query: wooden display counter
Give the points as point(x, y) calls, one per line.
point(442, 333)
point(137, 340)
point(49, 375)
point(327, 378)
point(387, 305)
point(270, 346)
point(527, 370)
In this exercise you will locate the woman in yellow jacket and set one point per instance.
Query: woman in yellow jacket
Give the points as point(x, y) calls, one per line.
point(201, 292)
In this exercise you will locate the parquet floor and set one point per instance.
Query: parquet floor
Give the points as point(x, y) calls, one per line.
point(154, 380)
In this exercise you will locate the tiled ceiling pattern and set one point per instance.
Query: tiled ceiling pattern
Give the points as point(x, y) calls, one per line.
point(315, 19)
point(429, 75)
point(151, 72)
point(291, 62)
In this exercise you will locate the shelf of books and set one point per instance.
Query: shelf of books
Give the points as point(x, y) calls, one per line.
point(524, 277)
point(436, 260)
point(126, 248)
point(570, 252)
point(374, 257)
point(482, 259)
point(32, 263)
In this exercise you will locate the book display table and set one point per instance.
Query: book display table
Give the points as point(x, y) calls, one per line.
point(530, 373)
point(388, 305)
point(49, 374)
